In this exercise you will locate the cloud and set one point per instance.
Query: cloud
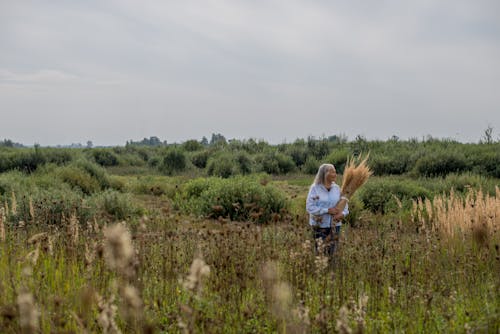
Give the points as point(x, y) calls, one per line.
point(266, 69)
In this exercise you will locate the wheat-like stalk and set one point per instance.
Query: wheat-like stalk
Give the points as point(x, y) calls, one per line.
point(355, 175)
point(451, 216)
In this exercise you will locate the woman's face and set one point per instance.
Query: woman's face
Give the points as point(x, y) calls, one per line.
point(331, 175)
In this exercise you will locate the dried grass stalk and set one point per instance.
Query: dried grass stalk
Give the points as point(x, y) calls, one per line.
point(28, 313)
point(2, 226)
point(356, 173)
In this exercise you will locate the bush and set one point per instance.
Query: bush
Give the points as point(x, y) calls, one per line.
point(78, 178)
point(440, 164)
point(192, 145)
point(25, 160)
point(275, 163)
point(222, 165)
point(298, 154)
point(487, 163)
point(104, 157)
point(338, 158)
point(113, 203)
point(239, 199)
point(378, 194)
point(381, 164)
point(173, 161)
point(244, 162)
point(51, 206)
point(311, 166)
point(199, 159)
point(96, 171)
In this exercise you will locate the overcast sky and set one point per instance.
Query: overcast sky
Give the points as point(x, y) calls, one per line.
point(111, 71)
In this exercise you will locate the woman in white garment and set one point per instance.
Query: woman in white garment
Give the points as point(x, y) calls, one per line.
point(323, 195)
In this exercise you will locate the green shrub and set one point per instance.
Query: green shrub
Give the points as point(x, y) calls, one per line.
point(115, 204)
point(487, 163)
point(52, 206)
point(192, 145)
point(173, 161)
point(275, 163)
point(239, 199)
point(199, 159)
point(396, 165)
point(311, 166)
point(298, 154)
point(78, 178)
point(355, 207)
point(463, 182)
point(378, 194)
point(104, 157)
point(245, 162)
point(96, 171)
point(223, 165)
point(440, 164)
point(25, 160)
point(338, 158)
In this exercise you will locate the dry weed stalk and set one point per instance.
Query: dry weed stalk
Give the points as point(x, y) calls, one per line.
point(32, 210)
point(13, 205)
point(342, 325)
point(118, 249)
point(28, 313)
point(73, 230)
point(32, 257)
point(2, 225)
point(193, 283)
point(477, 214)
point(90, 253)
point(107, 314)
point(132, 302)
point(354, 311)
point(198, 271)
point(279, 293)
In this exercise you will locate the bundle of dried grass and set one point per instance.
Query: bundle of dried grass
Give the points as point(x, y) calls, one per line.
point(356, 173)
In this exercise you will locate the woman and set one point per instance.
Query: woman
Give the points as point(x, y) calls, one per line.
point(320, 204)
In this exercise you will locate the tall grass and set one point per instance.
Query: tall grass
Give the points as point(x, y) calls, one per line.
point(173, 273)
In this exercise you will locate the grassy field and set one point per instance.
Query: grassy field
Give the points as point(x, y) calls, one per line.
point(430, 267)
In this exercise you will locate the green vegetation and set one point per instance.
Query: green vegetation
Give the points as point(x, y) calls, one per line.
point(212, 236)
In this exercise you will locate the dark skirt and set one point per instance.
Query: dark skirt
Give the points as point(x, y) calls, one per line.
point(329, 238)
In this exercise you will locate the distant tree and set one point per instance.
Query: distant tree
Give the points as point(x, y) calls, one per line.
point(204, 141)
point(487, 136)
point(192, 145)
point(217, 138)
point(151, 141)
point(341, 138)
point(9, 143)
point(90, 144)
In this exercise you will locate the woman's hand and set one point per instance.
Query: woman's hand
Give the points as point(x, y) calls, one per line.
point(338, 217)
point(333, 211)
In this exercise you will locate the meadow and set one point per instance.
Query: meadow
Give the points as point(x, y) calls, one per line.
point(214, 238)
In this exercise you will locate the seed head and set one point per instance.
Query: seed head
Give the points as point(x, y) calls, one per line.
point(28, 313)
point(118, 250)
